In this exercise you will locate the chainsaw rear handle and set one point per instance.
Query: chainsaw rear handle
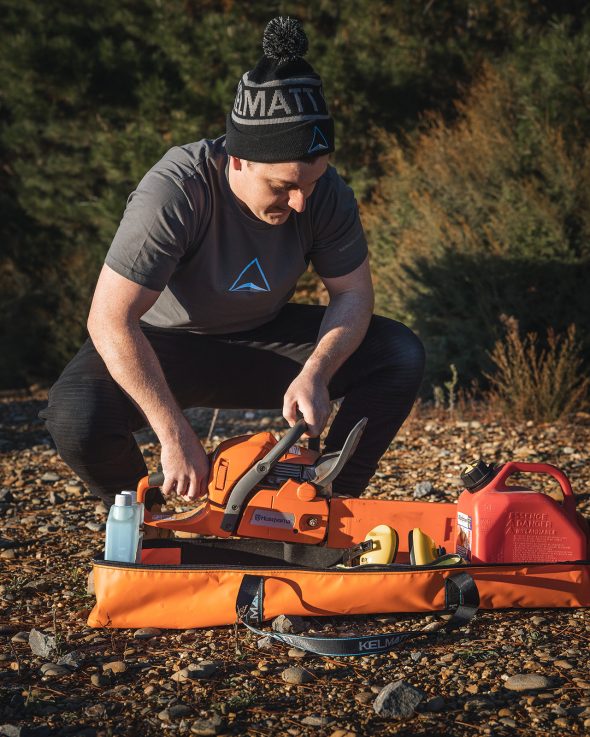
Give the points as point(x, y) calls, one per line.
point(512, 467)
point(251, 478)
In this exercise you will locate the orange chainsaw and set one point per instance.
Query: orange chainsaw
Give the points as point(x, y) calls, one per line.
point(261, 487)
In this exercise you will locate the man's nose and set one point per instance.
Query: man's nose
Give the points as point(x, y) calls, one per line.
point(296, 200)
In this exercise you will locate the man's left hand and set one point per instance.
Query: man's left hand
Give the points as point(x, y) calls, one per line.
point(309, 394)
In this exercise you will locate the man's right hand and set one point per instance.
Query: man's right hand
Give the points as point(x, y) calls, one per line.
point(185, 466)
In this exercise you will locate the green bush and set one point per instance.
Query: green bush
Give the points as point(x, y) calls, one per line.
point(489, 215)
point(93, 93)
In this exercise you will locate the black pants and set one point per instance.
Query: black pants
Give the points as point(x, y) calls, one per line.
point(92, 420)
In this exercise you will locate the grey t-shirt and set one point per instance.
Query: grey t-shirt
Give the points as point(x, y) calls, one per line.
point(218, 269)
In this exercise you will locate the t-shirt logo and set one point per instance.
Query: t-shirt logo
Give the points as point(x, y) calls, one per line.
point(251, 279)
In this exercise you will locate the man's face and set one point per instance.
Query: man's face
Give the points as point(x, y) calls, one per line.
point(271, 191)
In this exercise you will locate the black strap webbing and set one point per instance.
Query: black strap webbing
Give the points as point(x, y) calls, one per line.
point(461, 597)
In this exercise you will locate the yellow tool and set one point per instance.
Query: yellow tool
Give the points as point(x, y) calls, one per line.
point(425, 552)
point(384, 549)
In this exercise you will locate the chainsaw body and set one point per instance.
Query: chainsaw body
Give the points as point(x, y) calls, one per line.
point(260, 487)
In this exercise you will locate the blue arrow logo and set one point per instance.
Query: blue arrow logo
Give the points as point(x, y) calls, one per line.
point(250, 279)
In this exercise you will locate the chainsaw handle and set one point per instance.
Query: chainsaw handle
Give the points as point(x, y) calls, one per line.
point(512, 467)
point(148, 482)
point(283, 445)
point(254, 476)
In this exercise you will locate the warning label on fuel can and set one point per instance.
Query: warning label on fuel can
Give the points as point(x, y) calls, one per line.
point(464, 539)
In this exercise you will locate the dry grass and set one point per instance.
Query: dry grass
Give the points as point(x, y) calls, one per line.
point(538, 383)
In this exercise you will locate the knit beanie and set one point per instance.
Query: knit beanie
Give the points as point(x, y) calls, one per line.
point(279, 113)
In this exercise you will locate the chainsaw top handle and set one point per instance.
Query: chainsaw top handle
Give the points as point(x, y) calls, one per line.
point(254, 476)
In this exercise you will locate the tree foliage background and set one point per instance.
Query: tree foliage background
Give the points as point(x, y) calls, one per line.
point(463, 127)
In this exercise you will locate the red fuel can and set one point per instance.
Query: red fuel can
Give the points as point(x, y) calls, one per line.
point(497, 523)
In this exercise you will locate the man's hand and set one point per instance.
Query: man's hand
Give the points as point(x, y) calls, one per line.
point(185, 466)
point(309, 394)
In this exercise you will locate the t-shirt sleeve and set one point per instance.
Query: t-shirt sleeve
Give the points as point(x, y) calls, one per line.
point(339, 243)
point(157, 228)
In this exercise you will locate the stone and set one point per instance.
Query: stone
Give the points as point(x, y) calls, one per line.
point(100, 680)
point(343, 733)
point(196, 671)
point(563, 664)
point(398, 700)
point(208, 727)
point(292, 625)
point(295, 652)
point(41, 644)
point(73, 659)
point(52, 669)
point(264, 643)
point(296, 675)
point(436, 703)
point(179, 710)
point(527, 682)
point(422, 489)
point(49, 477)
point(315, 720)
point(116, 666)
point(145, 633)
point(363, 697)
point(20, 637)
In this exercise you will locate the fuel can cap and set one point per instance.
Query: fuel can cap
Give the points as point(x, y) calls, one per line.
point(477, 474)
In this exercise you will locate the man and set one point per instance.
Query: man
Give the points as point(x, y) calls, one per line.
point(191, 307)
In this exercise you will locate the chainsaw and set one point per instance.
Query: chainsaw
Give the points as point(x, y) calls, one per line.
point(276, 490)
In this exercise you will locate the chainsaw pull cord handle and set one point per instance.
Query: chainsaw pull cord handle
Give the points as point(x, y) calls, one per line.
point(512, 467)
point(254, 476)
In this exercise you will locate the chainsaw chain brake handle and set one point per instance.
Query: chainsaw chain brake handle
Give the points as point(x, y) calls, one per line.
point(508, 469)
point(328, 466)
point(254, 476)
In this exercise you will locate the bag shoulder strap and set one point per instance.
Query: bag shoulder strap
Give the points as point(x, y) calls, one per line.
point(461, 598)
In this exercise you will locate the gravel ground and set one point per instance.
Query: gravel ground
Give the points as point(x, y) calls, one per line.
point(511, 672)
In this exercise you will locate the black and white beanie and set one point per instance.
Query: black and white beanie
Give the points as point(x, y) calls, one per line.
point(279, 113)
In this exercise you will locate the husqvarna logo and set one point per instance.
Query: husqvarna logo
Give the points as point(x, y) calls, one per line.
point(269, 518)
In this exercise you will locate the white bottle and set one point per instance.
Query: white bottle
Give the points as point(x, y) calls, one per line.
point(138, 508)
point(122, 531)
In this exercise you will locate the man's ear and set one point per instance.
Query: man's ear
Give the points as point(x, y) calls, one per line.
point(236, 164)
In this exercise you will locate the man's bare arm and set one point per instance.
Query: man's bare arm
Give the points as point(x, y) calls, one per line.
point(113, 324)
point(342, 330)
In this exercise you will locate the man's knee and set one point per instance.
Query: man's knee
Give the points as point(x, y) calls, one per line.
point(398, 347)
point(81, 416)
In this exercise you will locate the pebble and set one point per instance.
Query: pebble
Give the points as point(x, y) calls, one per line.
point(422, 489)
point(296, 675)
point(95, 526)
point(116, 666)
point(343, 733)
point(295, 652)
point(289, 625)
point(196, 671)
point(526, 682)
point(398, 700)
point(207, 727)
point(144, 633)
point(436, 703)
point(98, 679)
point(20, 637)
point(363, 697)
point(49, 477)
point(53, 669)
point(9, 554)
point(315, 720)
point(41, 644)
point(563, 664)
